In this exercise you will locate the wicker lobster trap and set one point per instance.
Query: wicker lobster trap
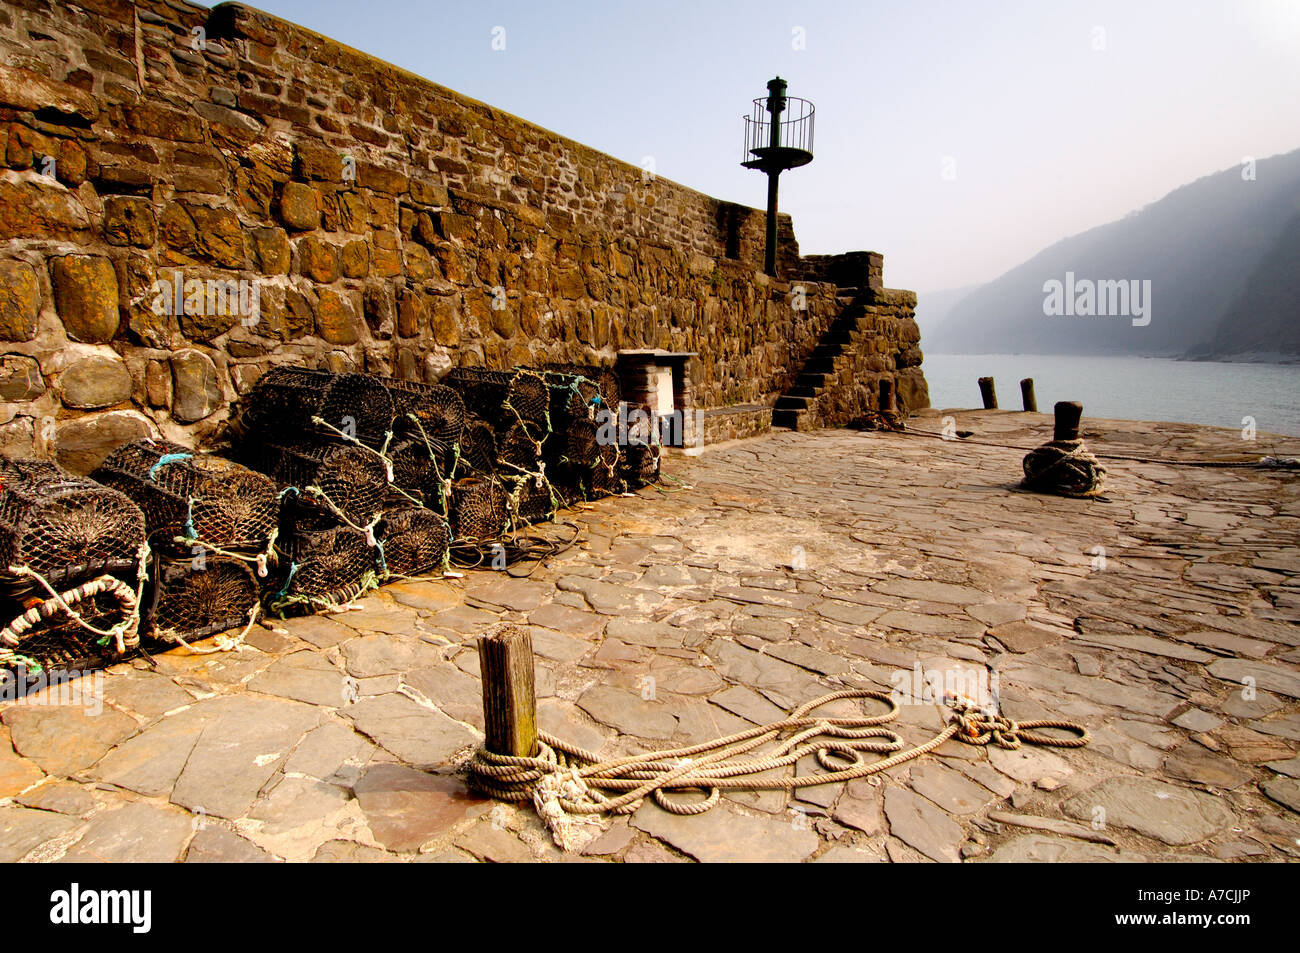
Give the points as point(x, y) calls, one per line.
point(191, 499)
point(64, 528)
point(503, 397)
point(321, 481)
point(296, 399)
point(198, 597)
point(413, 541)
point(322, 569)
point(530, 500)
point(430, 411)
point(604, 378)
point(479, 508)
point(477, 449)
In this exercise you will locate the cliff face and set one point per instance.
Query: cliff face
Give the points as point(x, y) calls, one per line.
point(1199, 248)
point(190, 196)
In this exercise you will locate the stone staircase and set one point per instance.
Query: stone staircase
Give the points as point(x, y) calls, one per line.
point(797, 407)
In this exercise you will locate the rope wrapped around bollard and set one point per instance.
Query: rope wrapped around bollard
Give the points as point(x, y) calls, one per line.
point(1063, 465)
point(567, 783)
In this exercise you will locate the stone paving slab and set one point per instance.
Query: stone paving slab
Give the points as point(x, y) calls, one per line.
point(1165, 617)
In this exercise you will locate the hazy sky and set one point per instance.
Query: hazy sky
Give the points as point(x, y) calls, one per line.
point(956, 138)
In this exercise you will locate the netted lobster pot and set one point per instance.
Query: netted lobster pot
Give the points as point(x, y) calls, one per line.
point(200, 497)
point(199, 597)
point(604, 479)
point(322, 569)
point(351, 478)
point(478, 448)
point(577, 443)
point(502, 397)
point(519, 448)
point(478, 509)
point(434, 411)
point(416, 473)
point(605, 379)
point(530, 503)
point(285, 400)
point(55, 643)
point(415, 541)
point(640, 465)
point(573, 397)
point(64, 527)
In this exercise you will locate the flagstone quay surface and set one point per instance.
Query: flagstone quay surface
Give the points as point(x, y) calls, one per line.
point(1163, 617)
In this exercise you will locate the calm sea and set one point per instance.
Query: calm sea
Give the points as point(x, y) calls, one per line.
point(1128, 388)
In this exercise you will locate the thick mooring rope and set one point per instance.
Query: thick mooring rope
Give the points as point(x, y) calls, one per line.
point(566, 782)
point(1064, 467)
point(62, 602)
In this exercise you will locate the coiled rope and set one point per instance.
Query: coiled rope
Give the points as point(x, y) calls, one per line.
point(1065, 468)
point(566, 782)
point(63, 602)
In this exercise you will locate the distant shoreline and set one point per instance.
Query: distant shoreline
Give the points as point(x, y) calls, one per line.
point(1252, 357)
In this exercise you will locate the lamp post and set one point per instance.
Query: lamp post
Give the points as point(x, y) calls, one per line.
point(773, 144)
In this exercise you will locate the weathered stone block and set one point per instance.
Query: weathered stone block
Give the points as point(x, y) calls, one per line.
point(20, 378)
point(196, 390)
point(300, 207)
point(85, 295)
point(419, 264)
point(83, 443)
point(37, 210)
point(412, 313)
point(218, 236)
point(336, 321)
point(318, 259)
point(95, 381)
point(30, 91)
point(446, 326)
point(355, 259)
point(129, 220)
point(269, 248)
point(158, 383)
point(20, 301)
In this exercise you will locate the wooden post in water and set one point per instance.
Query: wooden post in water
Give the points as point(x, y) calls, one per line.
point(989, 395)
point(1027, 395)
point(1068, 415)
point(505, 660)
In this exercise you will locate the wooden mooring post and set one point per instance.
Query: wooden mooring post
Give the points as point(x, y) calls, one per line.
point(989, 395)
point(505, 660)
point(1068, 415)
point(886, 395)
point(1027, 395)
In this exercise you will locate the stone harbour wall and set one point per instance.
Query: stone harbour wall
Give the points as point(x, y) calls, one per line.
point(190, 196)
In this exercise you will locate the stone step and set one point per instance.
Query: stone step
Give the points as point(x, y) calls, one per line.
point(792, 419)
point(800, 391)
point(820, 365)
point(792, 402)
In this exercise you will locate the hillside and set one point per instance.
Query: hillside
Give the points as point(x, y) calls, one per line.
point(1200, 247)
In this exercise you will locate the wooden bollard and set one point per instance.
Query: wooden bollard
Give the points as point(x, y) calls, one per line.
point(1027, 395)
point(1068, 415)
point(988, 393)
point(886, 395)
point(505, 660)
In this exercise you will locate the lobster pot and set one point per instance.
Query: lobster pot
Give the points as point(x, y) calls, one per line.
point(199, 597)
point(57, 644)
point(519, 448)
point(603, 479)
point(415, 541)
point(502, 397)
point(478, 509)
point(530, 503)
point(64, 527)
point(478, 449)
point(567, 485)
point(321, 569)
point(433, 411)
point(416, 472)
point(640, 465)
point(214, 501)
point(285, 400)
point(352, 478)
point(605, 379)
point(573, 397)
point(577, 443)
